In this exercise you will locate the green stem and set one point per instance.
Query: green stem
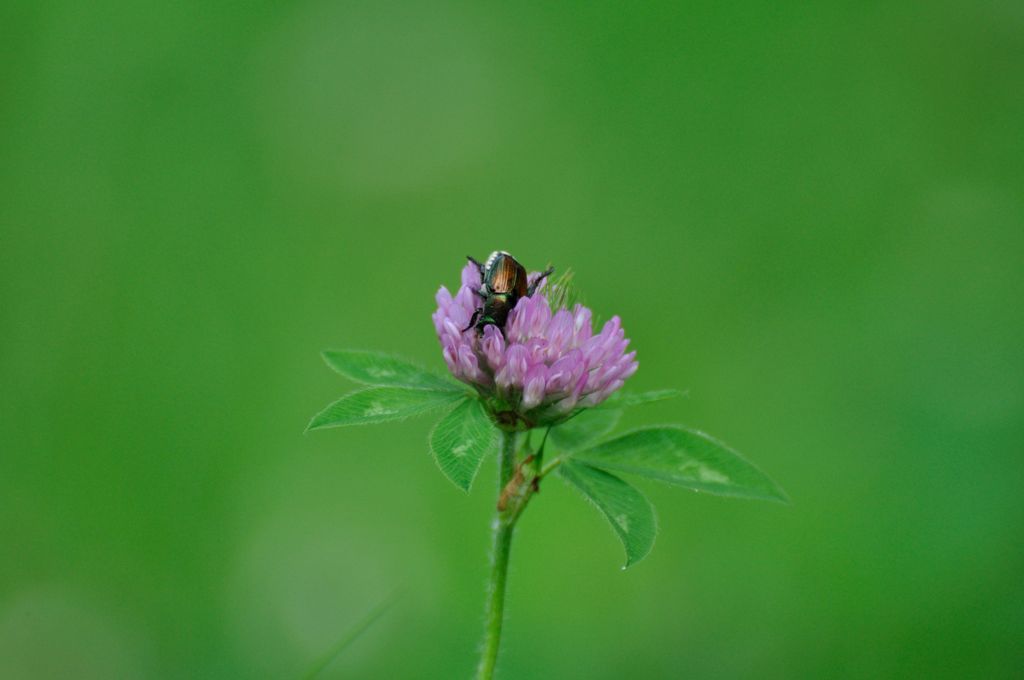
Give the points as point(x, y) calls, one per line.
point(503, 526)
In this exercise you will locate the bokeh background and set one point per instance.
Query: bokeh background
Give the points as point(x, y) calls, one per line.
point(809, 216)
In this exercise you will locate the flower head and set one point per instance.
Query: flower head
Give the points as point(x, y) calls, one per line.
point(544, 364)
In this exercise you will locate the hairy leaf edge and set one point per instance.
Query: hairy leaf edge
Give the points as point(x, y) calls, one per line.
point(593, 503)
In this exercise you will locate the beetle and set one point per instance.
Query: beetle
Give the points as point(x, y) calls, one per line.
point(504, 282)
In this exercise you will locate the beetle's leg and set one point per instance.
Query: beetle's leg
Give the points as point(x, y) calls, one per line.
point(472, 322)
point(533, 286)
point(478, 265)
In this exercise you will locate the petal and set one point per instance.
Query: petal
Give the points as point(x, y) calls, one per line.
point(466, 301)
point(541, 317)
point(533, 390)
point(471, 276)
point(450, 353)
point(469, 365)
point(538, 350)
point(582, 329)
point(443, 297)
point(529, 319)
point(515, 323)
point(514, 371)
point(565, 372)
point(451, 330)
point(493, 347)
point(560, 332)
point(459, 316)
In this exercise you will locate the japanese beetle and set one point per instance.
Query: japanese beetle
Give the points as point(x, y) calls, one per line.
point(504, 282)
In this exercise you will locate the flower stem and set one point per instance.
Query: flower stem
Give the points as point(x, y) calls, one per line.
point(502, 527)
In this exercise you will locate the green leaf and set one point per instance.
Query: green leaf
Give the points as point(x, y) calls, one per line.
point(381, 404)
point(624, 399)
point(460, 441)
point(626, 509)
point(685, 458)
point(374, 368)
point(586, 427)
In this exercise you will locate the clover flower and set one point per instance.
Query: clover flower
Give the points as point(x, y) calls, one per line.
point(541, 367)
point(544, 364)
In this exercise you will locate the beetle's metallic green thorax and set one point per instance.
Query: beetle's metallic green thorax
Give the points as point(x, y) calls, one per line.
point(496, 309)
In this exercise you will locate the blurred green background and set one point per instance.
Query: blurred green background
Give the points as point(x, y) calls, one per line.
point(810, 217)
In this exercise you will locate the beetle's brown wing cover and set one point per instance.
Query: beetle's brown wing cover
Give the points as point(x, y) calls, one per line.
point(521, 286)
point(508, 276)
point(520, 281)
